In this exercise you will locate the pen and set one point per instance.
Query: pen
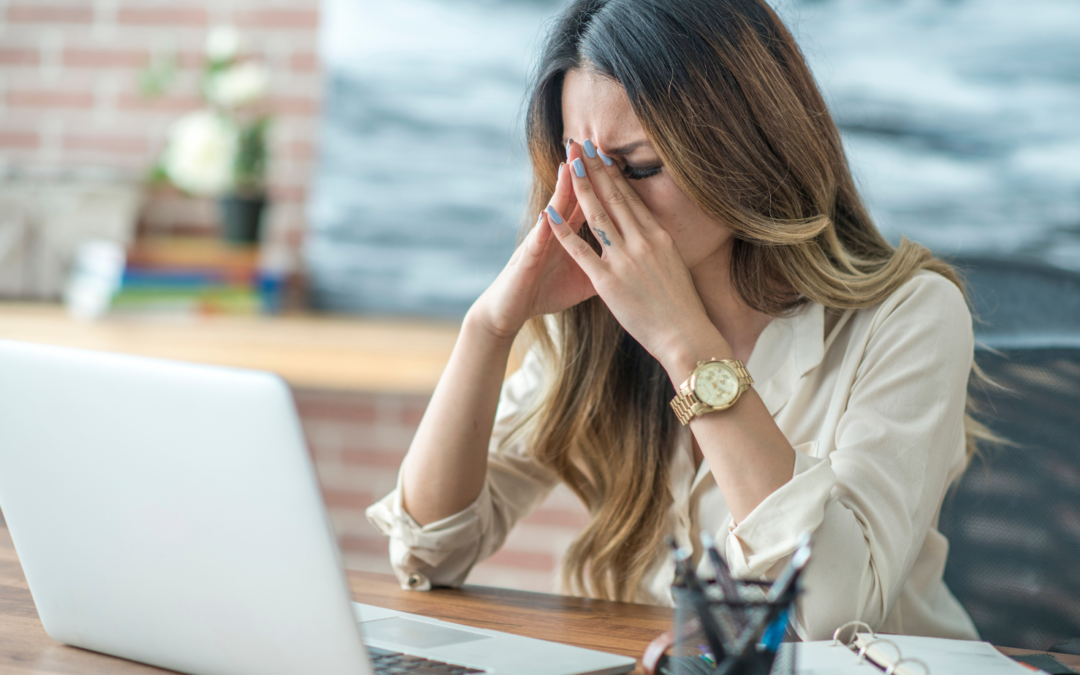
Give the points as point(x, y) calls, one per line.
point(685, 571)
point(774, 634)
point(791, 570)
point(720, 569)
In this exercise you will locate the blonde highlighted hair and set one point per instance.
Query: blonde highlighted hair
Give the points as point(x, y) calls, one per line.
point(727, 101)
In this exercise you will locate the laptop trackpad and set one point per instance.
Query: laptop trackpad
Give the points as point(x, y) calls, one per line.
point(417, 634)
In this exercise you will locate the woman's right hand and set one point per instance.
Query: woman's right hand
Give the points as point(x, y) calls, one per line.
point(541, 278)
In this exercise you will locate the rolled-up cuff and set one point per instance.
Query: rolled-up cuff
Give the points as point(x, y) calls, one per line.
point(440, 553)
point(772, 531)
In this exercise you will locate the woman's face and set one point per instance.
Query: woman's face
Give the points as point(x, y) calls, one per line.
point(598, 108)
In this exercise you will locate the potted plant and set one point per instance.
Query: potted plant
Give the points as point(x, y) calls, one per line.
point(220, 150)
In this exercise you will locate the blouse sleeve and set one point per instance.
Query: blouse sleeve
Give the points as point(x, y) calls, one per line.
point(871, 502)
point(442, 553)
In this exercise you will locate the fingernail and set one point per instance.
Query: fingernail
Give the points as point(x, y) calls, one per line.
point(590, 149)
point(579, 168)
point(568, 142)
point(555, 217)
point(605, 159)
point(540, 218)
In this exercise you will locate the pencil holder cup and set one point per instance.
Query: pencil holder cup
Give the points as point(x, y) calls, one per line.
point(726, 626)
point(736, 643)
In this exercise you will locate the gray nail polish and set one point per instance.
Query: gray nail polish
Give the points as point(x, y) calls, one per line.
point(579, 168)
point(590, 149)
point(555, 217)
point(605, 159)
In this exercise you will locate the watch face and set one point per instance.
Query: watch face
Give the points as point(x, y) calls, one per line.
point(716, 384)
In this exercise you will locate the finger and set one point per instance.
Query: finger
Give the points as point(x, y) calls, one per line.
point(576, 219)
point(614, 173)
point(532, 246)
point(563, 199)
point(605, 211)
point(619, 196)
point(576, 247)
point(541, 236)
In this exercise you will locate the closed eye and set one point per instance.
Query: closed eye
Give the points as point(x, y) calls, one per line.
point(638, 173)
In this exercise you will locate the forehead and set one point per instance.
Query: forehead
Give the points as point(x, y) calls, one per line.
point(597, 107)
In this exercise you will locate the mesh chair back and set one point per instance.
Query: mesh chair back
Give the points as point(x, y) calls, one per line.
point(1013, 520)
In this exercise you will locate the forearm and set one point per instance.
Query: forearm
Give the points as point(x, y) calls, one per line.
point(748, 454)
point(446, 465)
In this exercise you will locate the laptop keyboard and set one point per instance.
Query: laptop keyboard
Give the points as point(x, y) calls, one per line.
point(395, 663)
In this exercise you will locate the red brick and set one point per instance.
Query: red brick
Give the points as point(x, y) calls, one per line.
point(19, 139)
point(295, 238)
point(44, 98)
point(19, 57)
point(294, 105)
point(352, 543)
point(361, 457)
point(558, 517)
point(112, 144)
point(303, 19)
point(161, 16)
point(526, 560)
point(347, 500)
point(105, 58)
point(304, 61)
point(288, 193)
point(343, 411)
point(303, 150)
point(191, 59)
point(171, 103)
point(37, 13)
point(412, 414)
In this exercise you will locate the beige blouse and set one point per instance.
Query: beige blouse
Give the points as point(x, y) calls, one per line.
point(874, 411)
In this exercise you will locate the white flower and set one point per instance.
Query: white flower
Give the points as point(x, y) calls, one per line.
point(201, 153)
point(223, 44)
point(238, 85)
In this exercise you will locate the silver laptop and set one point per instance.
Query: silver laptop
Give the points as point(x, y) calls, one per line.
point(168, 513)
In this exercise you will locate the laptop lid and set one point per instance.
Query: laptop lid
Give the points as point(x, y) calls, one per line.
point(167, 513)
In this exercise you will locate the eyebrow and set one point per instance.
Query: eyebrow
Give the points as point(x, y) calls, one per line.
point(626, 149)
point(621, 151)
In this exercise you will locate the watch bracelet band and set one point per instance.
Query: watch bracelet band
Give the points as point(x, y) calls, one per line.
point(683, 405)
point(684, 401)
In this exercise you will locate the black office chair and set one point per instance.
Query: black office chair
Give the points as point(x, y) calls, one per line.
point(1013, 520)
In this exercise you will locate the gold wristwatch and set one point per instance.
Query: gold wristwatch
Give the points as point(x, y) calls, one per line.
point(713, 385)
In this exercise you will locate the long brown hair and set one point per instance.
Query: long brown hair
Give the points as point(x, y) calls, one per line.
point(726, 99)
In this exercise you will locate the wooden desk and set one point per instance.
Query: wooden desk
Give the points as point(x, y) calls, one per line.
point(310, 351)
point(608, 626)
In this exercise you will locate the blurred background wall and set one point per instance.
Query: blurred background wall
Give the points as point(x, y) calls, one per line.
point(418, 195)
point(958, 117)
point(70, 100)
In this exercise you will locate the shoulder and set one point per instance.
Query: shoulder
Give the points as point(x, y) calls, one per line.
point(927, 310)
point(925, 291)
point(927, 297)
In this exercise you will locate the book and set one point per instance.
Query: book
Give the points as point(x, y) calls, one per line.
point(191, 277)
point(868, 653)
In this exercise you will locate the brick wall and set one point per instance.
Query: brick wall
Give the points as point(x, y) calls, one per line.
point(357, 442)
point(69, 99)
point(69, 95)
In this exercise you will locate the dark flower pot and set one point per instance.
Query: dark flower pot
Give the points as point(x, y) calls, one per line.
point(241, 218)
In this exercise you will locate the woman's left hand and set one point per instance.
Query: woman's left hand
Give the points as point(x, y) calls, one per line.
point(640, 274)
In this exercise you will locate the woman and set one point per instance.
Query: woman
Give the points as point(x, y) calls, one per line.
point(704, 218)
